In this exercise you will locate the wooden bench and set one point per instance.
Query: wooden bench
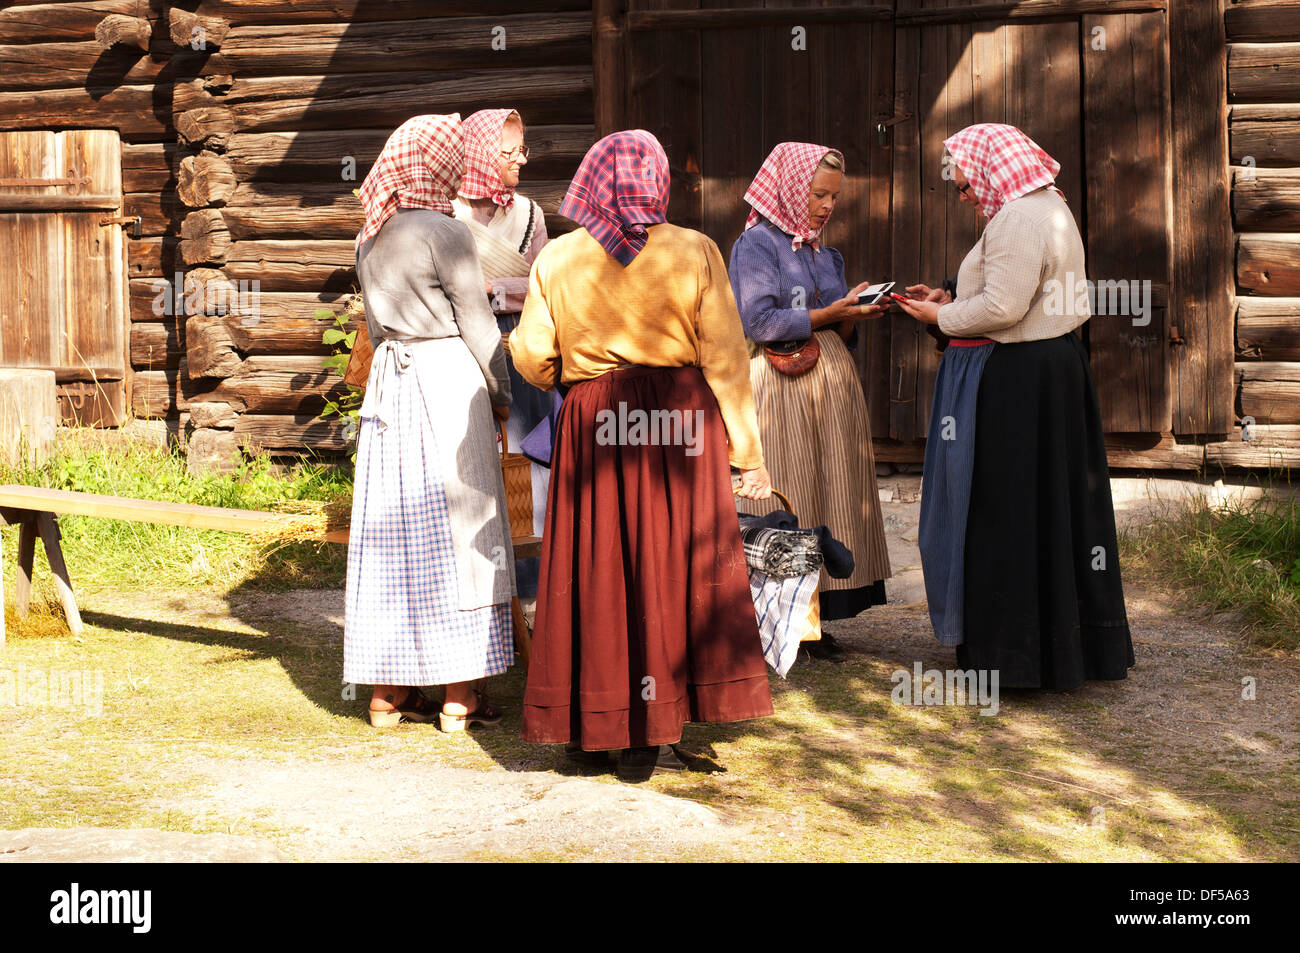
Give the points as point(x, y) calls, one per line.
point(35, 511)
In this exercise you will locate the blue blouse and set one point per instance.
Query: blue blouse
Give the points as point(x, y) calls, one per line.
point(776, 286)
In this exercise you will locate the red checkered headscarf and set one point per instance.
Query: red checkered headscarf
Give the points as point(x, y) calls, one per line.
point(1001, 163)
point(620, 188)
point(483, 156)
point(420, 166)
point(780, 191)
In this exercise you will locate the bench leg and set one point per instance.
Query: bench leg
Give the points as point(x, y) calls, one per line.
point(26, 557)
point(54, 554)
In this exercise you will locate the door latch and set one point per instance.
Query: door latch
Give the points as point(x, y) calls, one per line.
point(133, 220)
point(883, 126)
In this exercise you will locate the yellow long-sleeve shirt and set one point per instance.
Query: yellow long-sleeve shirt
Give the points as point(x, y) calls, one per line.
point(586, 314)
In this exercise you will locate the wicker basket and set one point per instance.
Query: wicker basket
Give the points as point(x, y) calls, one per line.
point(517, 471)
point(814, 632)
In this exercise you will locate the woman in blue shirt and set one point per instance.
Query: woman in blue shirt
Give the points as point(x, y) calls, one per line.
point(791, 292)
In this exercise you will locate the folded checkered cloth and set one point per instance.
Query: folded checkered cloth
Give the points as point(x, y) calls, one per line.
point(781, 607)
point(780, 552)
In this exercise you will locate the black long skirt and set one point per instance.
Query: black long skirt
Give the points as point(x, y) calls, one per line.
point(1044, 603)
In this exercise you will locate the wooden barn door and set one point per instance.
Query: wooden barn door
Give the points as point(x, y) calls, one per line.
point(720, 82)
point(1090, 90)
point(887, 84)
point(63, 279)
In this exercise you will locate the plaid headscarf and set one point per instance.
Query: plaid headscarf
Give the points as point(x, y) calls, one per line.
point(1001, 163)
point(483, 156)
point(620, 188)
point(420, 166)
point(780, 191)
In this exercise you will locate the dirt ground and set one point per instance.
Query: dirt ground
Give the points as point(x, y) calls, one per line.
point(224, 731)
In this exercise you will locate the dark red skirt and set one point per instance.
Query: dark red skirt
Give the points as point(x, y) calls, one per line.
point(644, 615)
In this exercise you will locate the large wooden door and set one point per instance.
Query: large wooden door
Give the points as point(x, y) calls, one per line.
point(1090, 89)
point(721, 82)
point(63, 283)
point(886, 84)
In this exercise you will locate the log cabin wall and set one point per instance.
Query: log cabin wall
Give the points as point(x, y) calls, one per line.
point(1264, 88)
point(246, 124)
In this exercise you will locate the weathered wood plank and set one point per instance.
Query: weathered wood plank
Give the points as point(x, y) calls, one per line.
point(1265, 143)
point(906, 245)
point(1124, 127)
point(1264, 71)
point(1272, 447)
point(558, 95)
point(156, 345)
point(1154, 451)
point(1263, 22)
point(1201, 307)
point(132, 110)
point(533, 40)
point(241, 12)
point(1270, 391)
point(1269, 264)
point(1268, 328)
point(270, 432)
point(1266, 199)
point(56, 22)
point(330, 154)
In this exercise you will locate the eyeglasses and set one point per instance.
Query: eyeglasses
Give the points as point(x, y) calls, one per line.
point(516, 154)
point(963, 188)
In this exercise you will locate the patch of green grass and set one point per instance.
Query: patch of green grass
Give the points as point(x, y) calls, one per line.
point(1243, 557)
point(104, 553)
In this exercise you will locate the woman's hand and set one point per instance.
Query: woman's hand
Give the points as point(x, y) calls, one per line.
point(488, 284)
point(926, 293)
point(755, 484)
point(845, 309)
point(927, 312)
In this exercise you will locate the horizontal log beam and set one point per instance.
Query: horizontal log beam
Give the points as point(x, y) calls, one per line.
point(1272, 446)
point(266, 432)
point(1263, 22)
point(55, 22)
point(156, 345)
point(1269, 328)
point(278, 103)
point(1269, 264)
point(1152, 451)
point(1264, 143)
point(1266, 200)
point(240, 12)
point(159, 212)
point(1264, 71)
point(133, 110)
point(326, 154)
point(533, 40)
point(1025, 10)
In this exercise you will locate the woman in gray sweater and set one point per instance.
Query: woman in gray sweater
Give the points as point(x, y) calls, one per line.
point(1017, 526)
point(430, 573)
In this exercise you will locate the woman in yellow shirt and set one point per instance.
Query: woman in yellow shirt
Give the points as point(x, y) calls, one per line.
point(644, 616)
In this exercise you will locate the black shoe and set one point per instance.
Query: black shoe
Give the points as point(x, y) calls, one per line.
point(826, 649)
point(639, 764)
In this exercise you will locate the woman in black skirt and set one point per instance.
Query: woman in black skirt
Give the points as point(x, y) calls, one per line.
point(1017, 533)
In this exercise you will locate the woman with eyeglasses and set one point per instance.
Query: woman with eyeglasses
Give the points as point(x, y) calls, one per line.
point(1017, 531)
point(793, 296)
point(509, 230)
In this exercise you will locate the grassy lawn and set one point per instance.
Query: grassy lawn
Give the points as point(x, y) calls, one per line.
point(219, 671)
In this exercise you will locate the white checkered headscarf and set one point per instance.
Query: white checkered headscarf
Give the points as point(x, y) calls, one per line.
point(1001, 163)
point(420, 166)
